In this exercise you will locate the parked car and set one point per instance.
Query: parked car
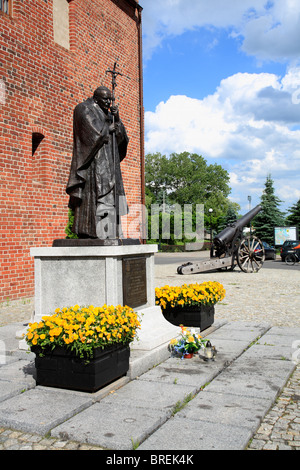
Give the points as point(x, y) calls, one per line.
point(287, 246)
point(270, 252)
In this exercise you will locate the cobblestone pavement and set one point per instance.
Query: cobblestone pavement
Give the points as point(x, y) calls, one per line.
point(280, 429)
point(271, 295)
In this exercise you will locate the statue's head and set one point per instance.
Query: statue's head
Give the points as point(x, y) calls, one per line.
point(102, 96)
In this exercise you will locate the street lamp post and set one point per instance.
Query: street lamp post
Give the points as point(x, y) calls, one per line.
point(210, 213)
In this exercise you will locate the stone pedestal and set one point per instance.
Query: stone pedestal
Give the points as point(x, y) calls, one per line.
point(98, 275)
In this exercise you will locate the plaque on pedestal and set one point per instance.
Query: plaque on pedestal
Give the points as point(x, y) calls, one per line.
point(134, 282)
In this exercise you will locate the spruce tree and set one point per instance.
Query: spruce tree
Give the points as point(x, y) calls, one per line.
point(293, 219)
point(229, 218)
point(270, 215)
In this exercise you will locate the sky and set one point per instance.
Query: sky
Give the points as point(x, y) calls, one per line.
point(222, 79)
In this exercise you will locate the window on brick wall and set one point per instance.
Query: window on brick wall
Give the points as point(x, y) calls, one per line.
point(61, 23)
point(36, 140)
point(5, 6)
point(39, 158)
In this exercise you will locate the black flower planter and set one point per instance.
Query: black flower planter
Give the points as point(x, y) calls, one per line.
point(61, 368)
point(201, 316)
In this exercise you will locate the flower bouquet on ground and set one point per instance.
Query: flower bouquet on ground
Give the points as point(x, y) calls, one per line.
point(188, 343)
point(84, 329)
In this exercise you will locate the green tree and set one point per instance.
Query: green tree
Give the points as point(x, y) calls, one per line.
point(270, 215)
point(230, 217)
point(155, 177)
point(186, 178)
point(293, 219)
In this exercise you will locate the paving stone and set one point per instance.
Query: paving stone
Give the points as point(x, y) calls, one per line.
point(39, 410)
point(270, 351)
point(253, 379)
point(180, 433)
point(194, 372)
point(150, 395)
point(10, 389)
point(240, 331)
point(228, 409)
point(112, 425)
point(20, 371)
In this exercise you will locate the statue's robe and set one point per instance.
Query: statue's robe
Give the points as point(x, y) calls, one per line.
point(95, 178)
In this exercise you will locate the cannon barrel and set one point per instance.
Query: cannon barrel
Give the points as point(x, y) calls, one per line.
point(227, 235)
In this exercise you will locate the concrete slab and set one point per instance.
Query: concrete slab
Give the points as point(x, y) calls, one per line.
point(283, 338)
point(150, 395)
point(193, 372)
point(240, 331)
point(18, 371)
point(180, 433)
point(8, 336)
point(253, 379)
point(10, 389)
point(112, 426)
point(229, 349)
point(246, 325)
point(268, 367)
point(6, 359)
point(39, 410)
point(174, 369)
point(231, 410)
point(278, 339)
point(285, 331)
point(270, 350)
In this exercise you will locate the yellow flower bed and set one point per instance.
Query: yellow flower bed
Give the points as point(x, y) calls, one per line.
point(81, 329)
point(207, 293)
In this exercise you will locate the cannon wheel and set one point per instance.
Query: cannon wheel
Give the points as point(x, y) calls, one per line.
point(251, 254)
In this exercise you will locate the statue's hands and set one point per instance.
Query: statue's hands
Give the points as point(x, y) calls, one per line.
point(115, 112)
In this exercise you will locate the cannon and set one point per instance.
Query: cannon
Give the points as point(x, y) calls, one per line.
point(230, 248)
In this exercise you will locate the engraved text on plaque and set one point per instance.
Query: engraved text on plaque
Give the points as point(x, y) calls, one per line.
point(134, 282)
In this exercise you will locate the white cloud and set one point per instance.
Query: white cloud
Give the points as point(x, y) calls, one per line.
point(251, 124)
point(246, 126)
point(270, 30)
point(276, 34)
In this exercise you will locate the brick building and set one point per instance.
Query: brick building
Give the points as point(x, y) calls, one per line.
point(54, 53)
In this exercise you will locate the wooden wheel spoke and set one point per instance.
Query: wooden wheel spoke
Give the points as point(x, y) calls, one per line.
point(250, 255)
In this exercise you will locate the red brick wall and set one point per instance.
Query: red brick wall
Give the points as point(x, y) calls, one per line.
point(43, 83)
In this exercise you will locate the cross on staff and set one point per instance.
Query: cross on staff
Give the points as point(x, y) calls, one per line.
point(114, 74)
